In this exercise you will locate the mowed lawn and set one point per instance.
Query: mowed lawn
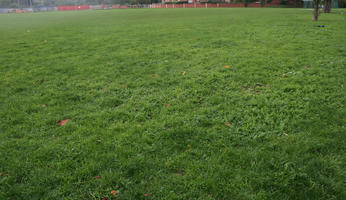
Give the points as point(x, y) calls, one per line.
point(173, 104)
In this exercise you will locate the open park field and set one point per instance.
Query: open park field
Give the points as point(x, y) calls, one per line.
point(244, 103)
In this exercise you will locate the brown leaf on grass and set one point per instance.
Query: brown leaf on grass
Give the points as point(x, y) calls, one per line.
point(45, 41)
point(283, 75)
point(228, 124)
point(153, 75)
point(167, 105)
point(184, 72)
point(246, 88)
point(227, 66)
point(43, 105)
point(4, 174)
point(146, 194)
point(97, 177)
point(104, 198)
point(63, 122)
point(114, 193)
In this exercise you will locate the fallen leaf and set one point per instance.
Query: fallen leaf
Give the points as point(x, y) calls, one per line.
point(283, 75)
point(153, 75)
point(43, 105)
point(114, 193)
point(45, 41)
point(104, 198)
point(167, 105)
point(228, 124)
point(184, 73)
point(63, 122)
point(97, 177)
point(4, 174)
point(146, 194)
point(227, 66)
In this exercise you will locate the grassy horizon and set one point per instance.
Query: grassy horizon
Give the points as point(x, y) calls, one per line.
point(173, 104)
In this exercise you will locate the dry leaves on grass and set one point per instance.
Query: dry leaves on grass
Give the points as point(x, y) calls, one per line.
point(114, 193)
point(63, 122)
point(227, 66)
point(184, 73)
point(228, 124)
point(167, 105)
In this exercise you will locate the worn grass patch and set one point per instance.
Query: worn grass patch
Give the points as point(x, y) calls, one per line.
point(172, 104)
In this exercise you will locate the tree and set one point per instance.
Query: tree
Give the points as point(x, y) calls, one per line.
point(315, 10)
point(327, 5)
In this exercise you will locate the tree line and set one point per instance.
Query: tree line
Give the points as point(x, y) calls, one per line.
point(33, 3)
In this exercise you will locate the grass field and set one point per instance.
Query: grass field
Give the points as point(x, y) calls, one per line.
point(173, 104)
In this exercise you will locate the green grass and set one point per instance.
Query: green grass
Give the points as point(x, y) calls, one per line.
point(114, 72)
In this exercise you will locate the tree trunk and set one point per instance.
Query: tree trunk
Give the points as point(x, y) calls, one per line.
point(327, 4)
point(315, 12)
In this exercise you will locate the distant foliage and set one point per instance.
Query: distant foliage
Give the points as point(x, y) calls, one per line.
point(36, 3)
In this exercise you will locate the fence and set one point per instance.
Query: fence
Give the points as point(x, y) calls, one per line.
point(118, 6)
point(212, 5)
point(309, 4)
